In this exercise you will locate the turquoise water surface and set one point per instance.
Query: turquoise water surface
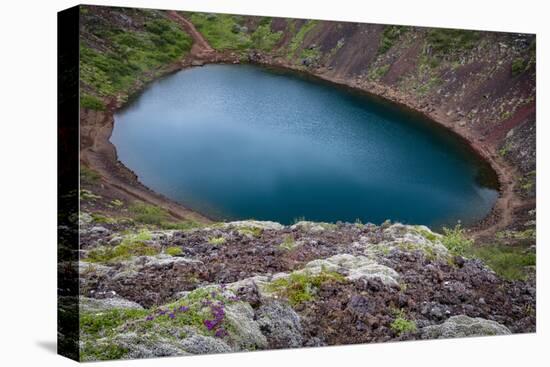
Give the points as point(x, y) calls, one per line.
point(241, 141)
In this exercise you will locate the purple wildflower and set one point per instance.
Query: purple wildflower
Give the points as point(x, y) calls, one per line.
point(183, 309)
point(171, 315)
point(149, 318)
point(220, 333)
point(210, 324)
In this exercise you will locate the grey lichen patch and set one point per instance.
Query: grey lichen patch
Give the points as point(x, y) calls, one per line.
point(463, 326)
point(400, 237)
point(265, 225)
point(280, 324)
point(245, 333)
point(97, 305)
point(354, 268)
point(313, 227)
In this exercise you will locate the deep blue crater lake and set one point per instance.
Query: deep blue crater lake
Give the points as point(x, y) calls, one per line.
point(241, 141)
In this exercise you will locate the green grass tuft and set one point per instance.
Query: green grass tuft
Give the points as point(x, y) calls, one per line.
point(216, 241)
point(101, 218)
point(401, 324)
point(173, 251)
point(250, 231)
point(455, 240)
point(288, 243)
point(302, 287)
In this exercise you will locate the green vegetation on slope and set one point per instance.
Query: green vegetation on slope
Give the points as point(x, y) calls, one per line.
point(298, 38)
point(131, 245)
point(227, 32)
point(446, 41)
point(509, 262)
point(264, 39)
point(148, 214)
point(91, 102)
point(130, 54)
point(222, 31)
point(390, 35)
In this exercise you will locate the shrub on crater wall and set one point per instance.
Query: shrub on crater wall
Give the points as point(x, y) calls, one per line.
point(455, 240)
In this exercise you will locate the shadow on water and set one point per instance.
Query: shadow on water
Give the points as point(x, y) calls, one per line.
point(485, 176)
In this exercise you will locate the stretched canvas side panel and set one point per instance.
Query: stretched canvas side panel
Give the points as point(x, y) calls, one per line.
point(67, 174)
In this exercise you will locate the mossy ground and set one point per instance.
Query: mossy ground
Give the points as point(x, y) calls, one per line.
point(132, 245)
point(509, 262)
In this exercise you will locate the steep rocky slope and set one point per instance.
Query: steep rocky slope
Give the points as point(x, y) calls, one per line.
point(159, 279)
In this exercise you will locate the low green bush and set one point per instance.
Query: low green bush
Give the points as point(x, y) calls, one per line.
point(91, 102)
point(148, 214)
